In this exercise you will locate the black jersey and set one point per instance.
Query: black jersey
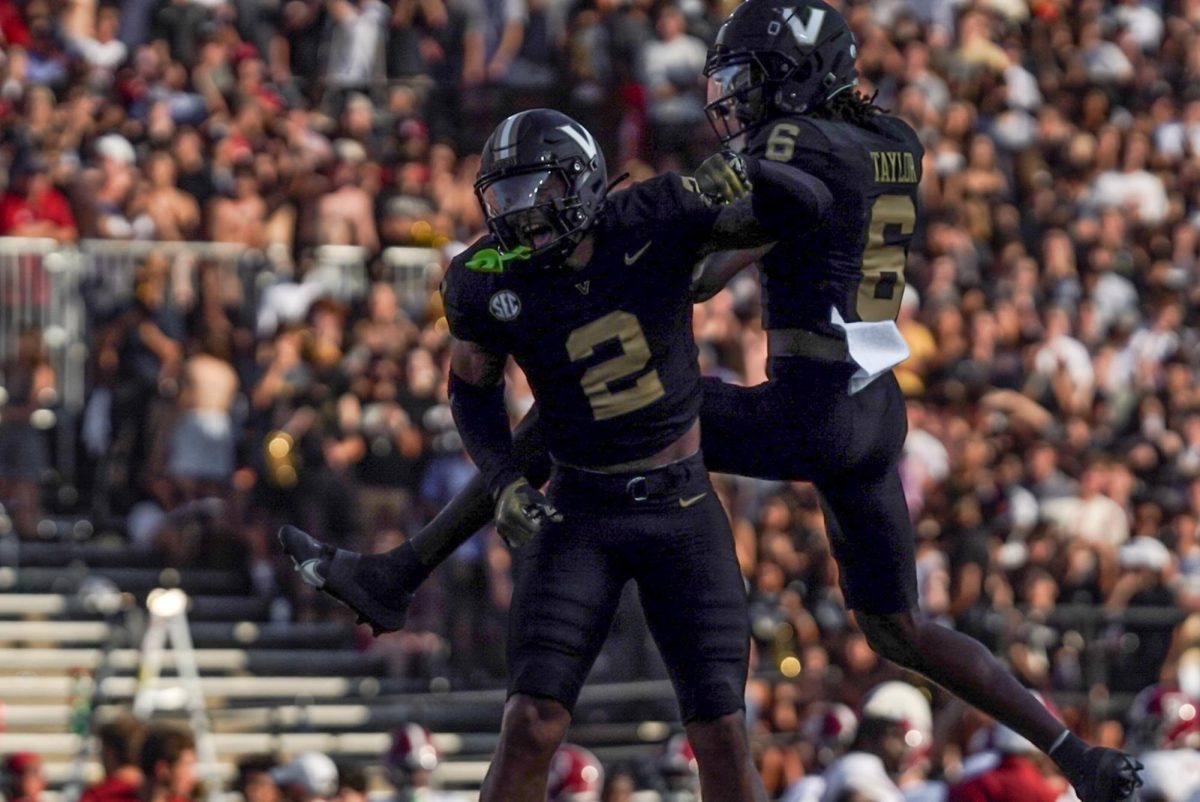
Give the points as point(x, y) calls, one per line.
point(855, 259)
point(608, 348)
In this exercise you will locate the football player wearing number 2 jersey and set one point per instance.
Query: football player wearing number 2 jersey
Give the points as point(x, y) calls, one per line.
point(781, 97)
point(590, 294)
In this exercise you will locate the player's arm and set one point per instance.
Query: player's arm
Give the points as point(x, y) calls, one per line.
point(763, 199)
point(718, 269)
point(477, 403)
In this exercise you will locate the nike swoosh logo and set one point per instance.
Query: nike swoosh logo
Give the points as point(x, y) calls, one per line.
point(308, 572)
point(631, 259)
point(687, 502)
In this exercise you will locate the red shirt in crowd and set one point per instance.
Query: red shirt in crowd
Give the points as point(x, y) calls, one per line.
point(50, 206)
point(1015, 778)
point(113, 789)
point(13, 32)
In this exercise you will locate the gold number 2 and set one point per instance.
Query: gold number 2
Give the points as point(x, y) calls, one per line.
point(623, 327)
point(883, 263)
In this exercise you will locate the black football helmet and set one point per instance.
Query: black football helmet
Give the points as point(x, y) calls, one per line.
point(776, 57)
point(542, 181)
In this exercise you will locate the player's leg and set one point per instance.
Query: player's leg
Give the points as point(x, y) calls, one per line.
point(379, 587)
point(531, 731)
point(872, 538)
point(778, 429)
point(567, 588)
point(695, 602)
point(744, 430)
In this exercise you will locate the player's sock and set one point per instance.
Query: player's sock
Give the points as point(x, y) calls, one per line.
point(1069, 752)
point(404, 568)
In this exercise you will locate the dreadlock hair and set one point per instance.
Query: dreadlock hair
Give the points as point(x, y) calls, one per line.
point(851, 107)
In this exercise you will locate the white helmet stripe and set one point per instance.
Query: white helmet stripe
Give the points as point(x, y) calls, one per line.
point(508, 133)
point(582, 137)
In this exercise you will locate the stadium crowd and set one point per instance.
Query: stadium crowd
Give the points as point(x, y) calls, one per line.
point(1053, 459)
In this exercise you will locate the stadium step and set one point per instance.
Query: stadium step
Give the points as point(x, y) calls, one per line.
point(306, 662)
point(205, 634)
point(203, 608)
point(139, 580)
point(54, 554)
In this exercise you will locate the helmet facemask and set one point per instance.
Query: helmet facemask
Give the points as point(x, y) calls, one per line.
point(533, 209)
point(744, 91)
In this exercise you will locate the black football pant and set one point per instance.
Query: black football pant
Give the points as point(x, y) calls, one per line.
point(663, 529)
point(803, 425)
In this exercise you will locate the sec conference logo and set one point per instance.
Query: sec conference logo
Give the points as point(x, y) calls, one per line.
point(505, 305)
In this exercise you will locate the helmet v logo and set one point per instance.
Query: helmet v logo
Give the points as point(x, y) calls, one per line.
point(805, 34)
point(582, 137)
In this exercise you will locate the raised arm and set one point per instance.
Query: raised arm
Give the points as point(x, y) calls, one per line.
point(764, 199)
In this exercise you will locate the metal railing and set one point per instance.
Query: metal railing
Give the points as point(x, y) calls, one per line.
point(67, 291)
point(40, 287)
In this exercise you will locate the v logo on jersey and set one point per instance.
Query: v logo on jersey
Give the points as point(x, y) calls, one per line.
point(637, 255)
point(584, 287)
point(805, 33)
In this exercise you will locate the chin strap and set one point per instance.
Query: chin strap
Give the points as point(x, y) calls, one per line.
point(613, 185)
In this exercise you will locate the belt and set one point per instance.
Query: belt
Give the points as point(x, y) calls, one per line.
point(802, 342)
point(640, 486)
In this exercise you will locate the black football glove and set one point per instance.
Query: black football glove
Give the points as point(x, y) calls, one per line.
point(521, 512)
point(723, 178)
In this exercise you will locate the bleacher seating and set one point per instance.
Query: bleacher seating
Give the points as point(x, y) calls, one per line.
point(269, 686)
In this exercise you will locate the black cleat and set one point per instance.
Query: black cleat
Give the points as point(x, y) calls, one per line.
point(1108, 776)
point(332, 571)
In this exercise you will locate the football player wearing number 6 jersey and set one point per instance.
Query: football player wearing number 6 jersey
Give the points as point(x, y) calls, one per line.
point(781, 87)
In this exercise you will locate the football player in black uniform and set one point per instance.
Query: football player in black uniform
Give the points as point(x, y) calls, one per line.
point(590, 294)
point(781, 89)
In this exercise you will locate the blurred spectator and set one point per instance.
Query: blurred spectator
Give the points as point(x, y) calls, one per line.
point(355, 60)
point(201, 457)
point(142, 348)
point(575, 776)
point(32, 207)
point(619, 786)
point(1165, 730)
point(239, 216)
point(308, 777)
point(860, 776)
point(411, 759)
point(352, 784)
point(175, 213)
point(23, 778)
point(168, 763)
point(120, 749)
point(254, 780)
point(27, 385)
point(105, 52)
point(1010, 767)
point(678, 770)
point(345, 214)
point(671, 71)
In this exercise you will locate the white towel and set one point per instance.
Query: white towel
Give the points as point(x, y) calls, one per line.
point(875, 347)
